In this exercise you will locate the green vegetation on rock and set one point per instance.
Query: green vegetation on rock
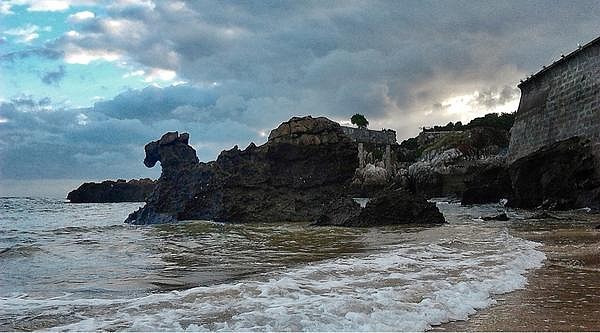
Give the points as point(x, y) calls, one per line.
point(359, 120)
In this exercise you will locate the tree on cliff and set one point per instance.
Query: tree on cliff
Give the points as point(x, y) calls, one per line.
point(359, 120)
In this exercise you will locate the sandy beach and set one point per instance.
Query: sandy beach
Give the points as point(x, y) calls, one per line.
point(563, 295)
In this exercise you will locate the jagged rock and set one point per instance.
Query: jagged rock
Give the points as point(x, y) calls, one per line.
point(112, 191)
point(172, 150)
point(449, 160)
point(373, 175)
point(308, 131)
point(563, 175)
point(488, 184)
point(150, 216)
point(305, 163)
point(341, 212)
point(499, 217)
point(390, 207)
point(425, 180)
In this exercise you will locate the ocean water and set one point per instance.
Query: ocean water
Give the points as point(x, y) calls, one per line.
point(78, 267)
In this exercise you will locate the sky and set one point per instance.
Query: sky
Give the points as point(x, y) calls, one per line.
point(84, 84)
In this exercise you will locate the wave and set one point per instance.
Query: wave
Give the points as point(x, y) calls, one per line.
point(19, 250)
point(405, 288)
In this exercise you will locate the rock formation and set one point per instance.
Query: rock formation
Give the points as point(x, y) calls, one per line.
point(487, 184)
point(391, 207)
point(450, 161)
point(113, 191)
point(306, 162)
point(562, 175)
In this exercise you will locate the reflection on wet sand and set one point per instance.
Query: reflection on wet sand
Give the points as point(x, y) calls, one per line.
point(564, 295)
point(201, 253)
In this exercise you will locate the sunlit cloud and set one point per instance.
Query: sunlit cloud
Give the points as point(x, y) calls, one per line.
point(75, 55)
point(48, 5)
point(27, 33)
point(155, 74)
point(81, 16)
point(5, 9)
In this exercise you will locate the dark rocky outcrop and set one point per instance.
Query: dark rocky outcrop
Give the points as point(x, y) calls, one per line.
point(391, 207)
point(306, 162)
point(113, 191)
point(451, 162)
point(560, 176)
point(489, 184)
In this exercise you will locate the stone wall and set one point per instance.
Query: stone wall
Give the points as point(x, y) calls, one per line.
point(385, 137)
point(559, 102)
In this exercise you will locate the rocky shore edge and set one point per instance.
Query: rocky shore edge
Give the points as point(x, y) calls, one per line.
point(311, 168)
point(307, 166)
point(121, 190)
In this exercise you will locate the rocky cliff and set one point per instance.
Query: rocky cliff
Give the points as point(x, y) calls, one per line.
point(306, 162)
point(562, 175)
point(451, 162)
point(113, 191)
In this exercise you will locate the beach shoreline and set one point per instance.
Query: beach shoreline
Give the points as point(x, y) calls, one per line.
point(563, 295)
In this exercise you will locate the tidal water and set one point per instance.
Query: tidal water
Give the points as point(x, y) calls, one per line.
point(79, 267)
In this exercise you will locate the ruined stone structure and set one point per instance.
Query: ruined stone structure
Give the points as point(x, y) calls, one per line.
point(386, 136)
point(372, 138)
point(559, 102)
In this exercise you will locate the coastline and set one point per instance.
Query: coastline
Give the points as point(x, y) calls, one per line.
point(563, 295)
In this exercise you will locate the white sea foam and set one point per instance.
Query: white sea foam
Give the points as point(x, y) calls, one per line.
point(405, 288)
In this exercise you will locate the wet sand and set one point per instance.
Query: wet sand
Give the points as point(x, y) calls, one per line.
point(563, 295)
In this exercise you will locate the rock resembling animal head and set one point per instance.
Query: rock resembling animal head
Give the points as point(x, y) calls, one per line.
point(172, 150)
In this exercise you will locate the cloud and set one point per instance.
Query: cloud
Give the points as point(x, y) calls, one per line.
point(48, 6)
point(5, 9)
point(491, 98)
point(81, 16)
point(54, 77)
point(106, 141)
point(389, 60)
point(251, 65)
point(26, 33)
point(82, 56)
point(42, 52)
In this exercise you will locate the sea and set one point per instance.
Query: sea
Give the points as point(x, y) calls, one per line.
point(78, 267)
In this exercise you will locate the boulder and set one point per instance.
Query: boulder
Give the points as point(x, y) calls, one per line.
point(391, 207)
point(308, 131)
point(489, 184)
point(369, 180)
point(563, 175)
point(305, 163)
point(113, 191)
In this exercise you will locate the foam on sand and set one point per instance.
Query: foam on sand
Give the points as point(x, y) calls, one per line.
point(407, 287)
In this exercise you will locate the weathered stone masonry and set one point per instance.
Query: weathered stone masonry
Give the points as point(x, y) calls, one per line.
point(362, 136)
point(559, 102)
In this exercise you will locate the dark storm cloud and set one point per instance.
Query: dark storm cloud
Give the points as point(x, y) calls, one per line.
point(39, 141)
point(153, 103)
point(391, 60)
point(253, 64)
point(490, 98)
point(54, 77)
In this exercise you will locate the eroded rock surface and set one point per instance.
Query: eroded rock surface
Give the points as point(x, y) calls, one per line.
point(487, 184)
point(563, 175)
point(390, 207)
point(306, 162)
point(113, 191)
